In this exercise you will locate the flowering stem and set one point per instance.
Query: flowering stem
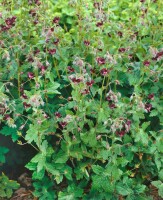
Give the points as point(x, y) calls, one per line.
point(102, 91)
point(55, 66)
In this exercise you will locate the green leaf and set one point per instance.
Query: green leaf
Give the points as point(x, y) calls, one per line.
point(8, 131)
point(41, 163)
point(156, 183)
point(59, 178)
point(52, 169)
point(73, 193)
point(145, 125)
point(68, 173)
point(38, 175)
point(89, 137)
point(51, 88)
point(153, 113)
point(140, 188)
point(31, 166)
point(61, 157)
point(97, 169)
point(122, 190)
point(161, 175)
point(3, 151)
point(7, 186)
point(141, 136)
point(160, 190)
point(159, 144)
point(32, 134)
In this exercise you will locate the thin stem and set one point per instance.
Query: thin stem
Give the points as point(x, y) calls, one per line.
point(102, 91)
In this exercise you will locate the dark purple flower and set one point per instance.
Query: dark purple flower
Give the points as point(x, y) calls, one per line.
point(56, 41)
point(63, 124)
point(151, 96)
point(104, 72)
point(35, 21)
point(142, 1)
point(120, 33)
point(85, 91)
point(108, 98)
point(130, 56)
point(122, 50)
point(109, 35)
point(10, 21)
point(56, 20)
point(121, 133)
point(128, 122)
point(6, 117)
point(26, 105)
point(30, 75)
point(47, 40)
point(70, 69)
point(146, 63)
point(32, 12)
point(46, 116)
point(90, 83)
point(37, 2)
point(159, 54)
point(52, 51)
point(129, 69)
point(76, 80)
point(100, 60)
point(154, 58)
point(148, 107)
point(58, 115)
point(96, 5)
point(136, 33)
point(99, 24)
point(37, 51)
point(4, 28)
point(112, 106)
point(92, 71)
point(22, 90)
point(30, 59)
point(86, 42)
point(43, 69)
point(127, 125)
point(24, 96)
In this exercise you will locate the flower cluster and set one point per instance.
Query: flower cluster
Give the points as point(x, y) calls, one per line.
point(36, 100)
point(9, 23)
point(112, 99)
point(121, 126)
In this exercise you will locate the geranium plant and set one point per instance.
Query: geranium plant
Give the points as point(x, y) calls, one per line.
point(81, 82)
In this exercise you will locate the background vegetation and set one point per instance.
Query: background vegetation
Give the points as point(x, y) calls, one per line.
point(80, 82)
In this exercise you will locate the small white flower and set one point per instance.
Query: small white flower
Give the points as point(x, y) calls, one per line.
point(153, 51)
point(36, 101)
point(68, 118)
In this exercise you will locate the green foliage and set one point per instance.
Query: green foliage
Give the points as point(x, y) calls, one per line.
point(159, 185)
point(3, 151)
point(8, 131)
point(81, 82)
point(44, 189)
point(7, 186)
